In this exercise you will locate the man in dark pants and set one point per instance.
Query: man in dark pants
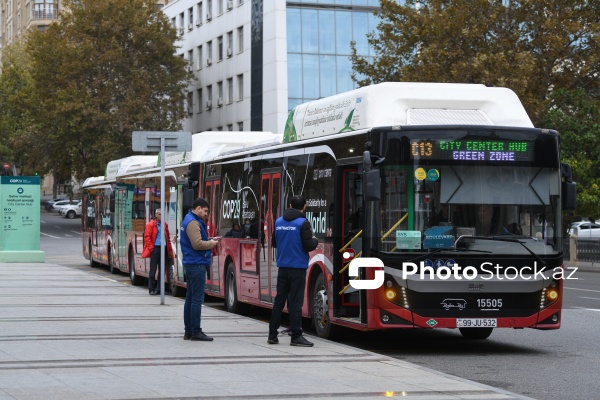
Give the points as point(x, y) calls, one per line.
point(293, 239)
point(197, 257)
point(152, 237)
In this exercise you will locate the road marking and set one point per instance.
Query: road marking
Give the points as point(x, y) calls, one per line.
point(76, 232)
point(583, 290)
point(45, 234)
point(43, 222)
point(591, 298)
point(588, 309)
point(67, 235)
point(58, 226)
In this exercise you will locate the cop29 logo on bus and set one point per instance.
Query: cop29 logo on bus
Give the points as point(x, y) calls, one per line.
point(367, 262)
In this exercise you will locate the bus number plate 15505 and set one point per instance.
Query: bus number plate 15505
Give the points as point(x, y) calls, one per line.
point(476, 323)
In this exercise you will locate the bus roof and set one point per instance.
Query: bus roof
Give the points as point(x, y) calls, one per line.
point(404, 103)
point(115, 167)
point(211, 142)
point(93, 181)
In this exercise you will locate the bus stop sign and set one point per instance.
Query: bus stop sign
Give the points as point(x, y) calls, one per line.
point(149, 141)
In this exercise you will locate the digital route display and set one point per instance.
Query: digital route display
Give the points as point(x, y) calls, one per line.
point(472, 150)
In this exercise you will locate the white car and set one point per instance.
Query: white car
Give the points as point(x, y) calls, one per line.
point(585, 229)
point(56, 206)
point(70, 211)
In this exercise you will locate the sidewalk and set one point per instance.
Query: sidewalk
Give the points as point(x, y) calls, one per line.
point(67, 334)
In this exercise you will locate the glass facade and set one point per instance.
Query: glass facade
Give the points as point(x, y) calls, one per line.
point(318, 46)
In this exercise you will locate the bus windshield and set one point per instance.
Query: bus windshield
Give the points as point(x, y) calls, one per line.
point(437, 191)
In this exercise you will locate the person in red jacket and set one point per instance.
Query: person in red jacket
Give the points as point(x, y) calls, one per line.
point(151, 250)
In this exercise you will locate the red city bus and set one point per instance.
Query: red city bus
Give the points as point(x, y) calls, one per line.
point(428, 147)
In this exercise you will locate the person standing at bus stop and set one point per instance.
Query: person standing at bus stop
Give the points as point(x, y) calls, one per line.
point(152, 239)
point(293, 238)
point(196, 248)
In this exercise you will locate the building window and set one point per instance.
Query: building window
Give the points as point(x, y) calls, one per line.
point(181, 22)
point(230, 127)
point(209, 53)
point(229, 90)
point(190, 19)
point(209, 97)
point(220, 47)
point(219, 7)
point(199, 14)
point(208, 10)
point(199, 92)
point(240, 82)
point(219, 94)
point(240, 35)
point(200, 60)
point(191, 59)
point(42, 9)
point(229, 44)
point(174, 22)
point(240, 126)
point(190, 103)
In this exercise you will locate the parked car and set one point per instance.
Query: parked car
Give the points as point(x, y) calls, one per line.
point(585, 229)
point(56, 206)
point(70, 211)
point(49, 203)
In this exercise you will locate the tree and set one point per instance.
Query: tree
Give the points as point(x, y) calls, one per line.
point(16, 101)
point(547, 51)
point(107, 69)
point(530, 46)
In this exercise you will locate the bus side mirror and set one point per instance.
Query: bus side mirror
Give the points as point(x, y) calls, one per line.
point(568, 188)
point(569, 195)
point(188, 198)
point(372, 183)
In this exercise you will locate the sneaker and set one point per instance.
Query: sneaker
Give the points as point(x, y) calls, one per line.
point(273, 340)
point(187, 336)
point(201, 337)
point(301, 342)
point(154, 293)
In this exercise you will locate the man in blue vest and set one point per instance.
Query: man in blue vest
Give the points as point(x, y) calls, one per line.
point(293, 239)
point(197, 257)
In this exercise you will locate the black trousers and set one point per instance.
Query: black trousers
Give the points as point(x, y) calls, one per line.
point(154, 266)
point(290, 287)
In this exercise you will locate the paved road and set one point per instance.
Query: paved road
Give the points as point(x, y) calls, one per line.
point(541, 364)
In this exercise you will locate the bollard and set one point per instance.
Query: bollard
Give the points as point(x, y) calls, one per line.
point(573, 246)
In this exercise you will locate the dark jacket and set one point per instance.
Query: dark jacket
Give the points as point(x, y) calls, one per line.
point(293, 238)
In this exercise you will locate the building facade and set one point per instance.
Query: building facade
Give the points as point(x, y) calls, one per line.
point(255, 60)
point(16, 16)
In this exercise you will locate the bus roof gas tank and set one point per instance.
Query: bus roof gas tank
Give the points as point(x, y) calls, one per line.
point(403, 104)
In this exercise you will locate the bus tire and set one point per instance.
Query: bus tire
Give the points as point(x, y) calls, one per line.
point(232, 303)
point(111, 262)
point(135, 279)
point(476, 333)
point(92, 262)
point(319, 310)
point(176, 291)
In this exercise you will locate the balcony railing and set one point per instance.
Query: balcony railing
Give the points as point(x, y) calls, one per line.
point(45, 11)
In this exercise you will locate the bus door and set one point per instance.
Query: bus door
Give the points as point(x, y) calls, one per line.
point(350, 234)
point(270, 192)
point(122, 224)
point(212, 194)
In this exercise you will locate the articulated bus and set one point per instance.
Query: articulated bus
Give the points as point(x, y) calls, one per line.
point(400, 174)
point(97, 216)
point(120, 204)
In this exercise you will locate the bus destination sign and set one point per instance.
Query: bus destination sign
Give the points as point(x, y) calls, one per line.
point(472, 150)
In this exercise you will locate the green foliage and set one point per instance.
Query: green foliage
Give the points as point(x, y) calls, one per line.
point(547, 51)
point(107, 69)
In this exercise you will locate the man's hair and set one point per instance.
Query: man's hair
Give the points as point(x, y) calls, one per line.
point(298, 202)
point(199, 202)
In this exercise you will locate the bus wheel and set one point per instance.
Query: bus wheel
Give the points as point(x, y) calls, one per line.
point(231, 300)
point(71, 214)
point(176, 291)
point(135, 279)
point(92, 263)
point(476, 333)
point(320, 309)
point(111, 261)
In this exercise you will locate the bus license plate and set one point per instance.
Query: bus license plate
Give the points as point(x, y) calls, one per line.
point(476, 323)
